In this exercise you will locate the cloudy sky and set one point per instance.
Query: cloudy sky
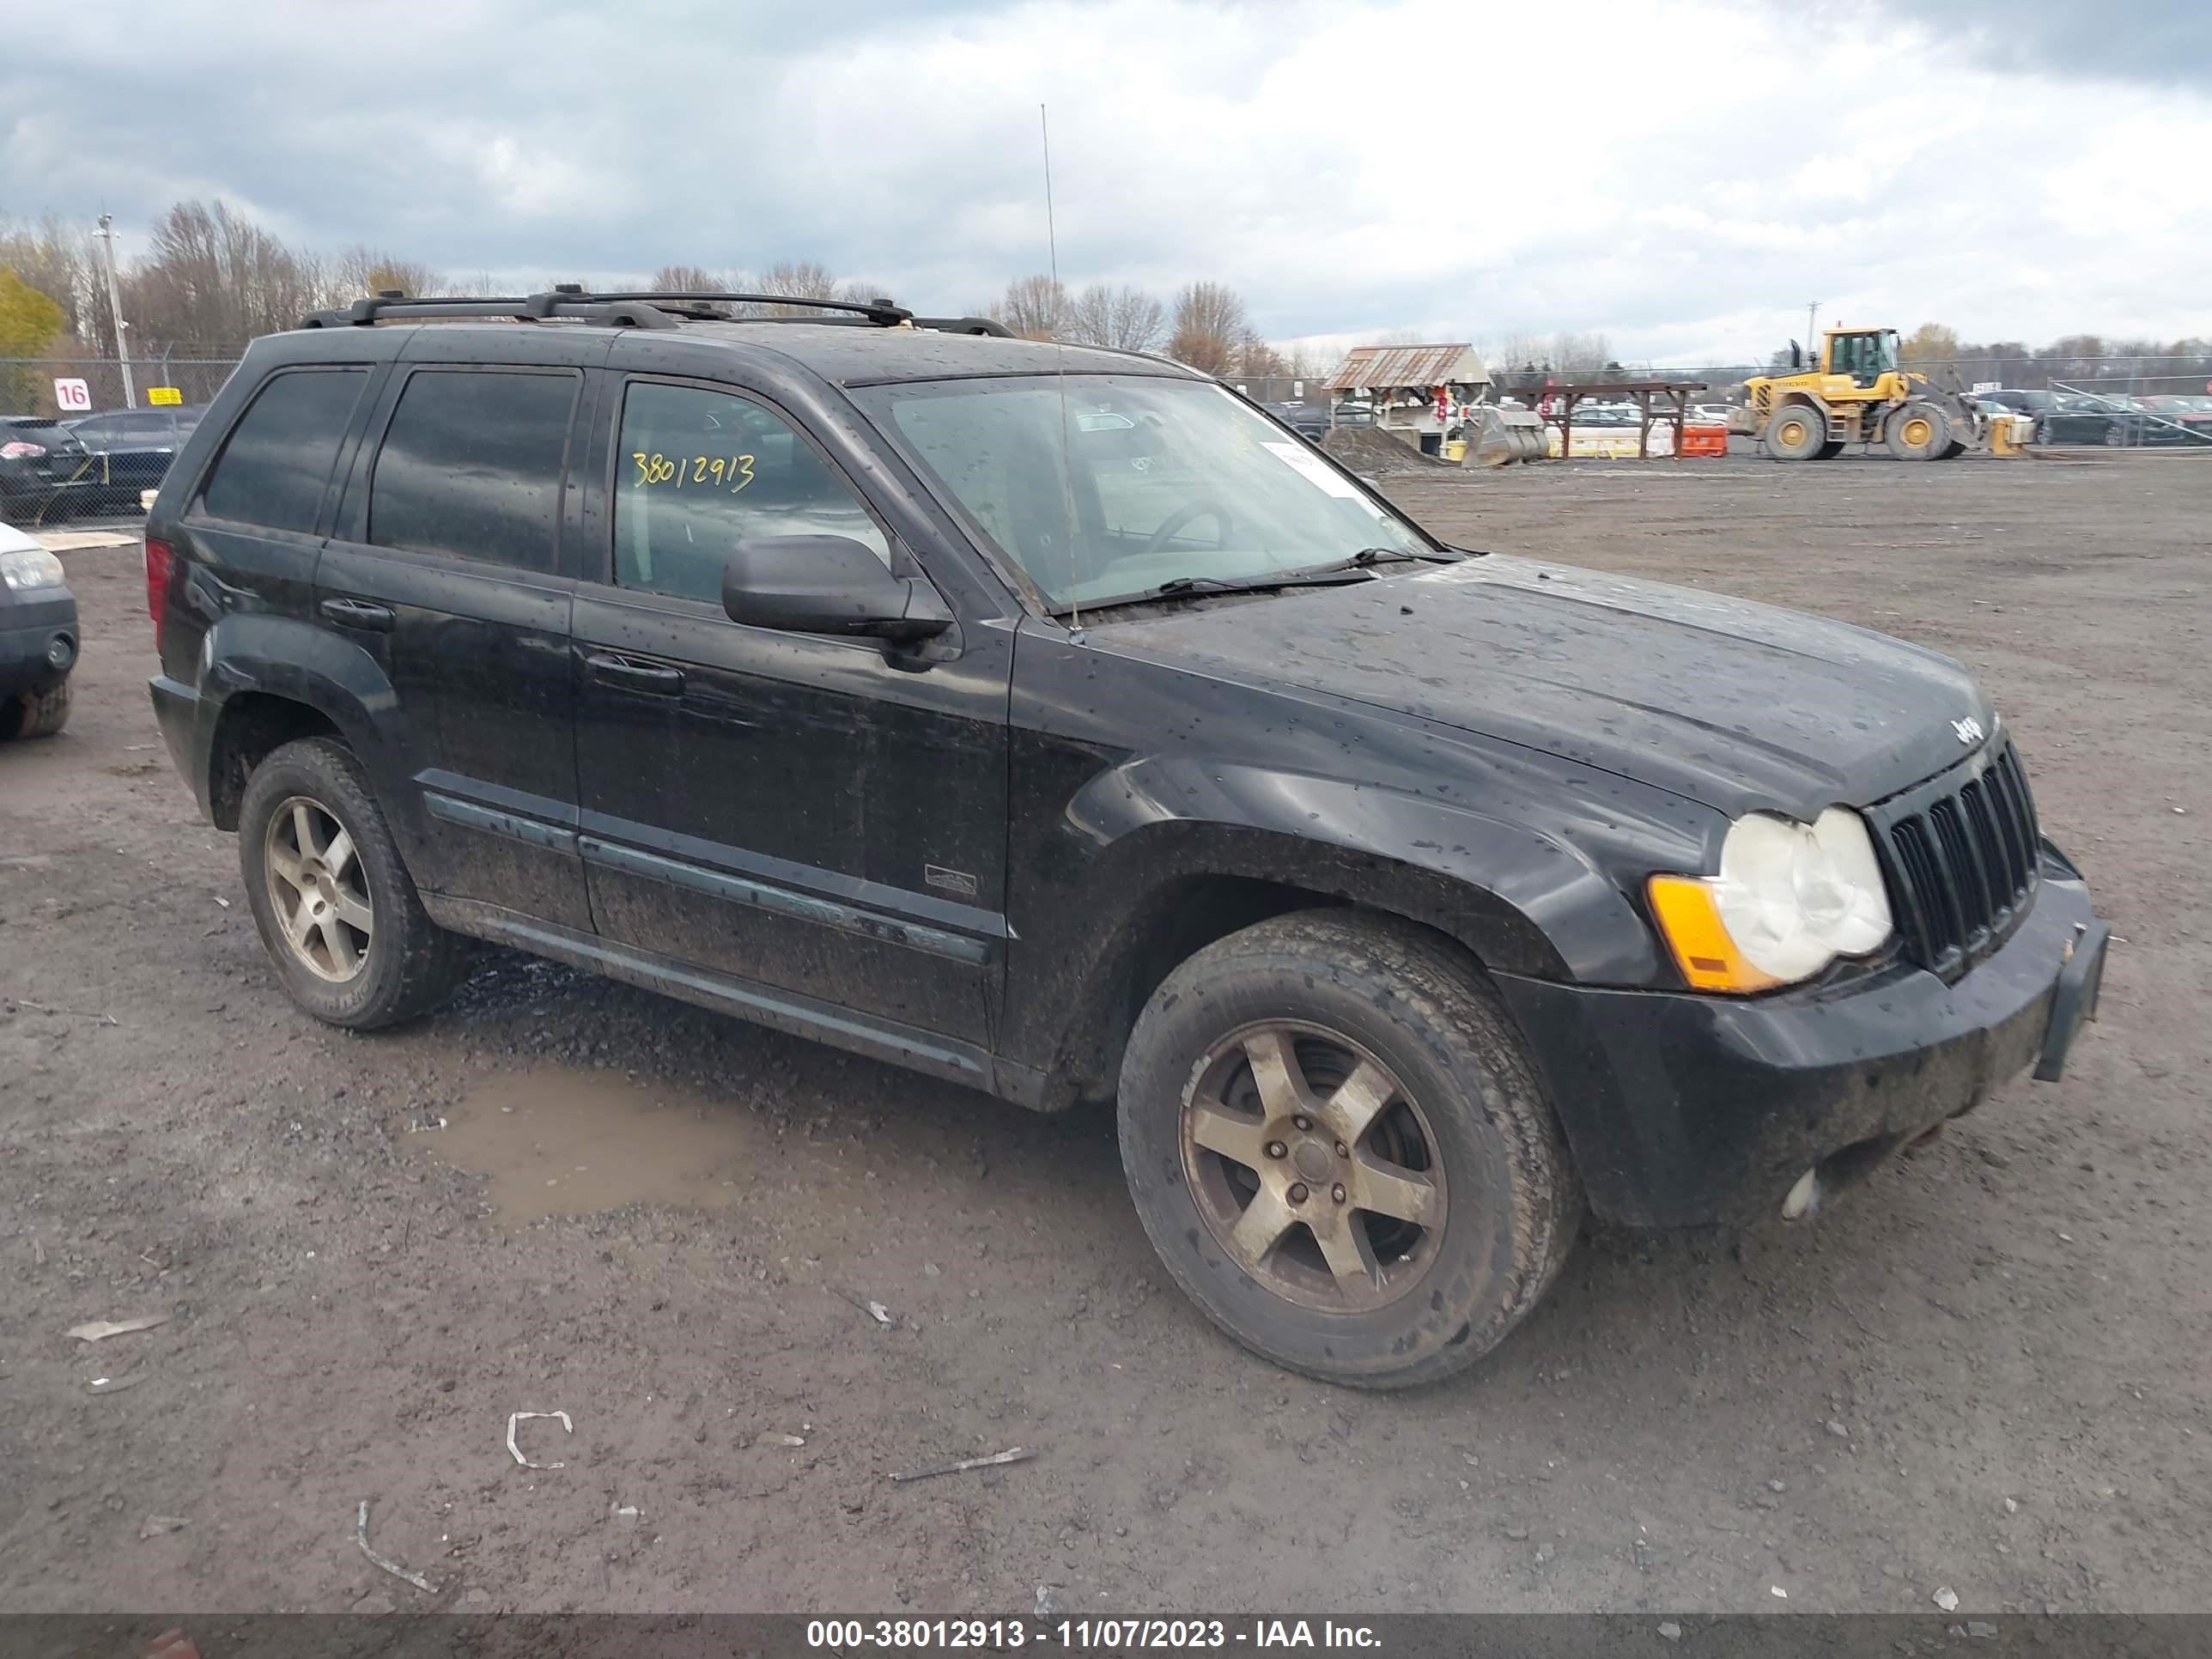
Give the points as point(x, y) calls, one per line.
point(1682, 174)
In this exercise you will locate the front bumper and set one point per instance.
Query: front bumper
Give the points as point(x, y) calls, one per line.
point(39, 639)
point(1684, 1109)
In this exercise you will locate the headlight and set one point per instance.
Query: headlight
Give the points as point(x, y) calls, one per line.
point(1789, 900)
point(30, 567)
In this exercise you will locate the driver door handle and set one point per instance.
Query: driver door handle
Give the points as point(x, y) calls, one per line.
point(358, 613)
point(655, 677)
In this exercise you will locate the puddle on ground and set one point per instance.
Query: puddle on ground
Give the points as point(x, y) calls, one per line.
point(556, 1142)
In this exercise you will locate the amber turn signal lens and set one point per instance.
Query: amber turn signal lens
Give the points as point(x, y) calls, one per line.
point(1690, 922)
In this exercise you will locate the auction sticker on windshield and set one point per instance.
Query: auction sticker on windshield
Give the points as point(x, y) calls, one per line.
point(1303, 460)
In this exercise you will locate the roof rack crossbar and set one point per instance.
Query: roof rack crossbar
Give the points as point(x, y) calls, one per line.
point(639, 309)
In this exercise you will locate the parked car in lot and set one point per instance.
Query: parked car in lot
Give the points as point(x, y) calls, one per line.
point(131, 450)
point(38, 638)
point(1309, 421)
point(2194, 414)
point(42, 468)
point(1406, 901)
point(2024, 425)
point(2112, 419)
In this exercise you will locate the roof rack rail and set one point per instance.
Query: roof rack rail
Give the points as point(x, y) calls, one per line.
point(639, 309)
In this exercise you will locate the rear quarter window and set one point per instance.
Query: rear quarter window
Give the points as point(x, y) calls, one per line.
point(276, 465)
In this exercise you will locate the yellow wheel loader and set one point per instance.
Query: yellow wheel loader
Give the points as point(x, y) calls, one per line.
point(1856, 394)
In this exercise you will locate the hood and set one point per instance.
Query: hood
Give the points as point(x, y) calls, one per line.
point(1736, 705)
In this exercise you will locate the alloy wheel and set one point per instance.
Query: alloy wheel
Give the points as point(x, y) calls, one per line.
point(1312, 1167)
point(318, 890)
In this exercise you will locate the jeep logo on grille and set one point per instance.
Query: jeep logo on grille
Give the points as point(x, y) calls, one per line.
point(1969, 730)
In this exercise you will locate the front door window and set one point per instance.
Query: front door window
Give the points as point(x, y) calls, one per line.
point(700, 471)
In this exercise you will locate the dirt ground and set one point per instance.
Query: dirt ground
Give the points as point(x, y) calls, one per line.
point(1985, 1370)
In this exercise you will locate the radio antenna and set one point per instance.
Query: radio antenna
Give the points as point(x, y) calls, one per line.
point(1060, 375)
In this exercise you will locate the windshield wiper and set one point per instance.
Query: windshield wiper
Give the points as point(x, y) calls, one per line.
point(1185, 587)
point(1374, 556)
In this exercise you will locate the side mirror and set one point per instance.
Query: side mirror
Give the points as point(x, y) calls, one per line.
point(827, 585)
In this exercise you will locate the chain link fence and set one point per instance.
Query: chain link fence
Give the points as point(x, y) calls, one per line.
point(74, 386)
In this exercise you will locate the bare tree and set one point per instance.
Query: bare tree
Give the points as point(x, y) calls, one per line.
point(802, 279)
point(686, 279)
point(1035, 307)
point(1580, 354)
point(361, 271)
point(1210, 327)
point(1258, 360)
point(1123, 318)
point(212, 279)
point(1519, 351)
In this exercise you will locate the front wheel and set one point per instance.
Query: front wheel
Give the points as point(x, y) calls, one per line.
point(1337, 1146)
point(336, 908)
point(37, 714)
point(1798, 432)
point(1919, 432)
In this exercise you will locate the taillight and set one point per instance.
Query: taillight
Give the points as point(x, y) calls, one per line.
point(159, 563)
point(20, 450)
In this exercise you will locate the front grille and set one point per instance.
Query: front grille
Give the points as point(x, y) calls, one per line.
point(1960, 855)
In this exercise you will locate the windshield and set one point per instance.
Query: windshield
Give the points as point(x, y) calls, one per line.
point(1146, 482)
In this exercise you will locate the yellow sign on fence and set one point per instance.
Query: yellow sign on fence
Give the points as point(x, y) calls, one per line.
point(164, 394)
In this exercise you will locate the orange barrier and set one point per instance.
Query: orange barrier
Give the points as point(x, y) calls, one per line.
point(1705, 441)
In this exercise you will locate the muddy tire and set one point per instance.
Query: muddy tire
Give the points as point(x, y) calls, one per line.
point(1918, 432)
point(1797, 432)
point(336, 908)
point(1337, 1145)
point(39, 713)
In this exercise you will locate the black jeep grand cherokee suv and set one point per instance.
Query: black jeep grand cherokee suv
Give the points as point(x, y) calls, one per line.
point(1054, 721)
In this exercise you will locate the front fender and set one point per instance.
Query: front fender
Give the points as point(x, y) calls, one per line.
point(1532, 870)
point(1534, 873)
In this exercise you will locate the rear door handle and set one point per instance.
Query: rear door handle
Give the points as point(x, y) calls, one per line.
point(358, 613)
point(652, 677)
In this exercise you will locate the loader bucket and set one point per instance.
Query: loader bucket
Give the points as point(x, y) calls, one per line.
point(1505, 435)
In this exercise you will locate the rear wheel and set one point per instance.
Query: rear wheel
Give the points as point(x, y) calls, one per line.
point(1339, 1147)
point(39, 713)
point(2116, 435)
point(336, 908)
point(1918, 432)
point(1798, 432)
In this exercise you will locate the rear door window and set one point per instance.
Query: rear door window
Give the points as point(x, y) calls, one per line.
point(472, 466)
point(143, 427)
point(276, 462)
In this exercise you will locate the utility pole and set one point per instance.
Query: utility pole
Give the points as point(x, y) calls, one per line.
point(1812, 330)
point(115, 311)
